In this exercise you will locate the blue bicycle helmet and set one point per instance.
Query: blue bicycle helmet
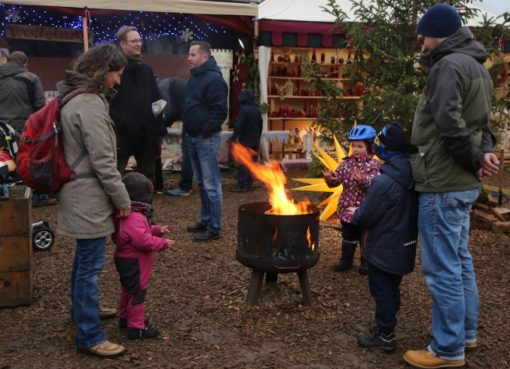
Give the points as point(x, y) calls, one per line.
point(362, 132)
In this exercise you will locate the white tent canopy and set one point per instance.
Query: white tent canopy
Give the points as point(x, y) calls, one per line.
point(170, 6)
point(311, 11)
point(301, 10)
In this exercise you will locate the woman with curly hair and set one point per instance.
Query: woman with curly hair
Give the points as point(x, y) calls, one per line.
point(88, 202)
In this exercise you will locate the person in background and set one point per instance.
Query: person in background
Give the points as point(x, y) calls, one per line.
point(204, 111)
point(138, 130)
point(87, 203)
point(455, 144)
point(21, 94)
point(355, 173)
point(136, 242)
point(388, 219)
point(247, 130)
point(21, 91)
point(173, 90)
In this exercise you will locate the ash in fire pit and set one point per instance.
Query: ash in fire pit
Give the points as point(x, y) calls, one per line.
point(273, 244)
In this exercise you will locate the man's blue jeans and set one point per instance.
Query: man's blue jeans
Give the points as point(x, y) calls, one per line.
point(443, 221)
point(87, 265)
point(204, 153)
point(186, 180)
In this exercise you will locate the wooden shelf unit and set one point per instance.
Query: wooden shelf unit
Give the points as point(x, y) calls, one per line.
point(293, 104)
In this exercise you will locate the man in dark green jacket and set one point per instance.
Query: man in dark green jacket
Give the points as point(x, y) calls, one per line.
point(455, 146)
point(21, 92)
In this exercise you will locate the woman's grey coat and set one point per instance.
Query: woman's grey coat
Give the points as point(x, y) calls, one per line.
point(86, 205)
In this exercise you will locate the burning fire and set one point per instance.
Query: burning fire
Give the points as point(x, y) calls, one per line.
point(274, 179)
point(311, 244)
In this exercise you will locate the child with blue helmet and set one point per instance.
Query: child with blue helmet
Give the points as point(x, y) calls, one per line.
point(388, 216)
point(355, 173)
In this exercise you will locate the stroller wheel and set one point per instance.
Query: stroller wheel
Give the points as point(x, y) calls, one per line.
point(42, 239)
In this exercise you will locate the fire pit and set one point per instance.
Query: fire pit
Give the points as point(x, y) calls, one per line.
point(270, 243)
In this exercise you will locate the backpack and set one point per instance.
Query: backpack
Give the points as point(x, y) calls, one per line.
point(40, 161)
point(9, 147)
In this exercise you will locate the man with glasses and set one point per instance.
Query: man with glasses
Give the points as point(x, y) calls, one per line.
point(138, 131)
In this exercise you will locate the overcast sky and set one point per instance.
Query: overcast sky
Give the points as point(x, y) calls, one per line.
point(495, 6)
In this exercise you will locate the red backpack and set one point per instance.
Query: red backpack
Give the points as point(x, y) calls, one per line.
point(40, 160)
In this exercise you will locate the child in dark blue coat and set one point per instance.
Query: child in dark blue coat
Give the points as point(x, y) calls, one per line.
point(388, 216)
point(247, 132)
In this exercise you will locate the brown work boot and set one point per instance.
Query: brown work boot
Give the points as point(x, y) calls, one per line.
point(104, 349)
point(426, 359)
point(107, 313)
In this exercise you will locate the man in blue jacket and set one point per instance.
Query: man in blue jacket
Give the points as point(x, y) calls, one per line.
point(204, 111)
point(388, 216)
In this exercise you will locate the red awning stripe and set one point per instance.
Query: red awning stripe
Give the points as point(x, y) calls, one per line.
point(301, 29)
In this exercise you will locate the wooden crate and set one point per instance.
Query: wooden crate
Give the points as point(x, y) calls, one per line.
point(15, 288)
point(15, 216)
point(16, 248)
point(15, 253)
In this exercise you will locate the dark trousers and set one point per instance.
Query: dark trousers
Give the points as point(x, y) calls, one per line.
point(350, 232)
point(351, 235)
point(186, 180)
point(159, 182)
point(145, 164)
point(244, 178)
point(385, 289)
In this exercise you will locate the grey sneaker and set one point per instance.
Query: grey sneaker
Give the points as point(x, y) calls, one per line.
point(197, 228)
point(206, 236)
point(178, 192)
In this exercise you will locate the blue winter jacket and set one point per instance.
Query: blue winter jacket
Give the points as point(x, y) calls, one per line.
point(205, 106)
point(248, 127)
point(388, 216)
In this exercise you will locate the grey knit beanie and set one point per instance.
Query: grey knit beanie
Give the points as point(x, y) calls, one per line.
point(138, 186)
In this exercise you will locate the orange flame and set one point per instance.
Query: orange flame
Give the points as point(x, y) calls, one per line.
point(274, 179)
point(311, 244)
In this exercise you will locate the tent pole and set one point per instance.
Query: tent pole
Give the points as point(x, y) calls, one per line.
point(85, 20)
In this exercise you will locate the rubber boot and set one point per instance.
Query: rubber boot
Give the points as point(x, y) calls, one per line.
point(345, 263)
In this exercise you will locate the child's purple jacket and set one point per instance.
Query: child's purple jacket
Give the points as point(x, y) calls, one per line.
point(353, 191)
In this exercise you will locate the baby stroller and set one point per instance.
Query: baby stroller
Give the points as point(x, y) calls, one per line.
point(42, 236)
point(8, 148)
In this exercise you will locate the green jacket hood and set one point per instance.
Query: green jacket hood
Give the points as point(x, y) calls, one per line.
point(463, 41)
point(11, 69)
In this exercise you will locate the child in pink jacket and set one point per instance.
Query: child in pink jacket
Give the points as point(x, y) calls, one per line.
point(137, 241)
point(355, 173)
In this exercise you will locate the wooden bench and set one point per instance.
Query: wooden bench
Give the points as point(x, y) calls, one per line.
point(504, 163)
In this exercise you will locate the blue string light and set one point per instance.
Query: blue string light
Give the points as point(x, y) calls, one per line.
point(151, 25)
